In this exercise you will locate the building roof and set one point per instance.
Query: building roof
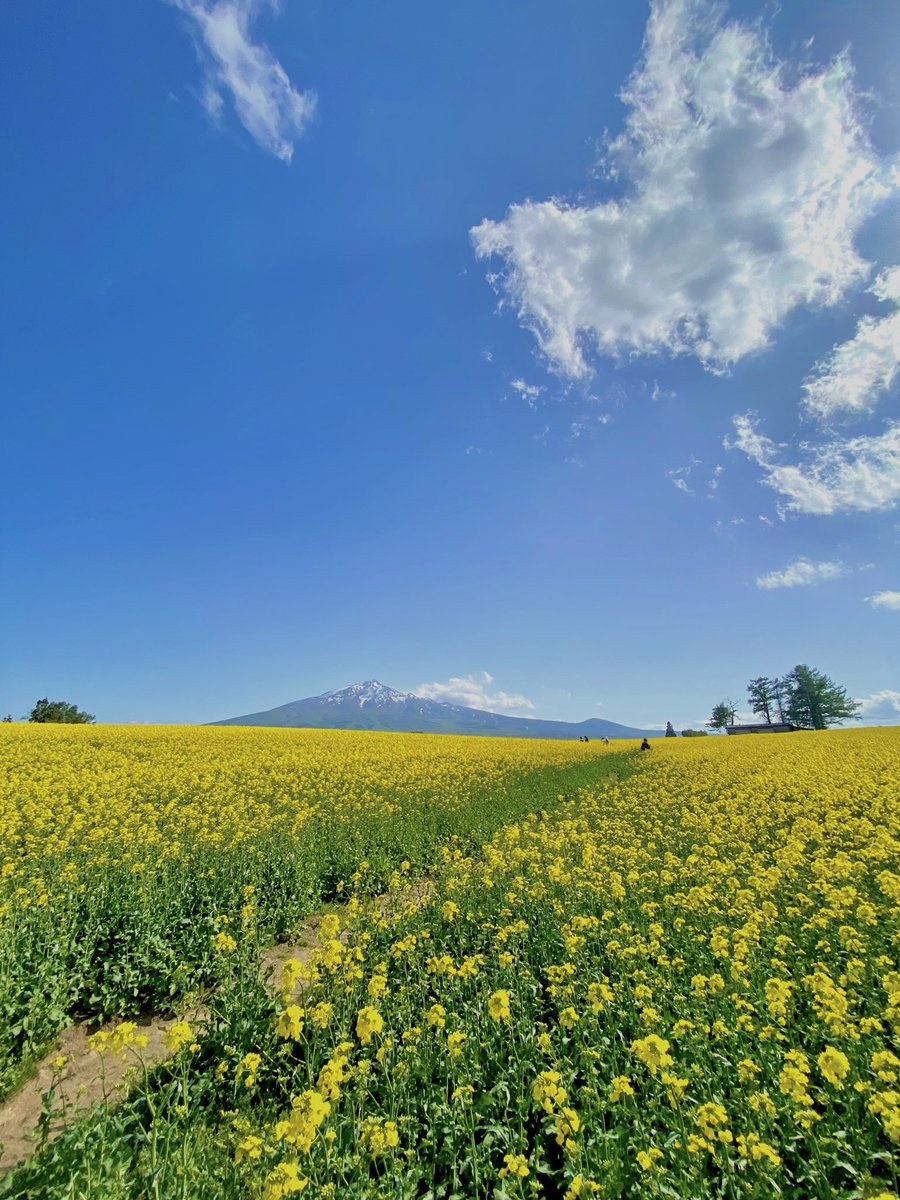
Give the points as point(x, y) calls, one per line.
point(765, 727)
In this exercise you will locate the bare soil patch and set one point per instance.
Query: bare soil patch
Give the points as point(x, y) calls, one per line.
point(85, 1077)
point(88, 1077)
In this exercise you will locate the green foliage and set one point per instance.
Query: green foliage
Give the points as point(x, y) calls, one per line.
point(722, 714)
point(763, 694)
point(804, 697)
point(111, 948)
point(203, 1126)
point(59, 712)
point(670, 730)
point(694, 733)
point(112, 1155)
point(814, 701)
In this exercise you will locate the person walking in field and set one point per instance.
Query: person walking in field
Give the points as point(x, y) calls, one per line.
point(645, 745)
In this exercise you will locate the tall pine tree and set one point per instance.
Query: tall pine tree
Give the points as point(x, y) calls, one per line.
point(762, 696)
point(813, 701)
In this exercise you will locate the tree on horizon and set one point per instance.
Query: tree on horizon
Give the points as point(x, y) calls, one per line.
point(762, 693)
point(814, 701)
point(723, 714)
point(59, 712)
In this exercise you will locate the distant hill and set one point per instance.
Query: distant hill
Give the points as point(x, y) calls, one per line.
point(371, 705)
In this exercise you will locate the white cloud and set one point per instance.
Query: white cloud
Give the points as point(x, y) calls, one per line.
point(265, 100)
point(471, 690)
point(860, 474)
point(528, 391)
point(681, 475)
point(753, 443)
point(889, 600)
point(744, 190)
point(880, 707)
point(858, 372)
point(800, 573)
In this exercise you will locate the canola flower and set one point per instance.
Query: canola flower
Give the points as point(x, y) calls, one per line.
point(177, 1035)
point(115, 1042)
point(702, 960)
point(699, 961)
point(197, 840)
point(498, 1005)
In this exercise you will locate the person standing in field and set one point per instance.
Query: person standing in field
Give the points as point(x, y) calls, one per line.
point(645, 745)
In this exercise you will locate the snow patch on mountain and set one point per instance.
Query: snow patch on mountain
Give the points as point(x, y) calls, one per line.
point(371, 692)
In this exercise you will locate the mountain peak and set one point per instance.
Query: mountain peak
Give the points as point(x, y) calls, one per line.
point(373, 705)
point(372, 691)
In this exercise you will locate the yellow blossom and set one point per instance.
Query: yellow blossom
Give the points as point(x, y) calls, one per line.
point(498, 1006)
point(369, 1021)
point(834, 1065)
point(619, 1088)
point(652, 1051)
point(649, 1160)
point(284, 1180)
point(455, 1044)
point(514, 1164)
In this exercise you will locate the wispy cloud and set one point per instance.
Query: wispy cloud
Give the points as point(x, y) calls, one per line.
point(745, 183)
point(880, 707)
point(681, 475)
point(802, 572)
point(889, 600)
point(530, 392)
point(472, 691)
point(859, 474)
point(266, 102)
point(858, 372)
point(712, 484)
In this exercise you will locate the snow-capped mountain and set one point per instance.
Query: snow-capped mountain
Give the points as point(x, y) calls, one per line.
point(370, 692)
point(373, 705)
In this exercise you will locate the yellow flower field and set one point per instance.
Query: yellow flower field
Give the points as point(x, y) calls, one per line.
point(88, 796)
point(679, 980)
point(685, 985)
point(122, 846)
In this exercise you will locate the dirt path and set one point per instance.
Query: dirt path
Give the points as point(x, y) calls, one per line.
point(87, 1077)
point(84, 1077)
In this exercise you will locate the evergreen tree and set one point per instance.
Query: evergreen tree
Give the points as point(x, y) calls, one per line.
point(723, 714)
point(813, 701)
point(762, 696)
point(779, 693)
point(670, 730)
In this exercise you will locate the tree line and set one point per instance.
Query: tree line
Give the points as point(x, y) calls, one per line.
point(804, 697)
point(56, 712)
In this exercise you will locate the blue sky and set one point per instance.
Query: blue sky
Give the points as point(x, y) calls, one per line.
point(542, 357)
